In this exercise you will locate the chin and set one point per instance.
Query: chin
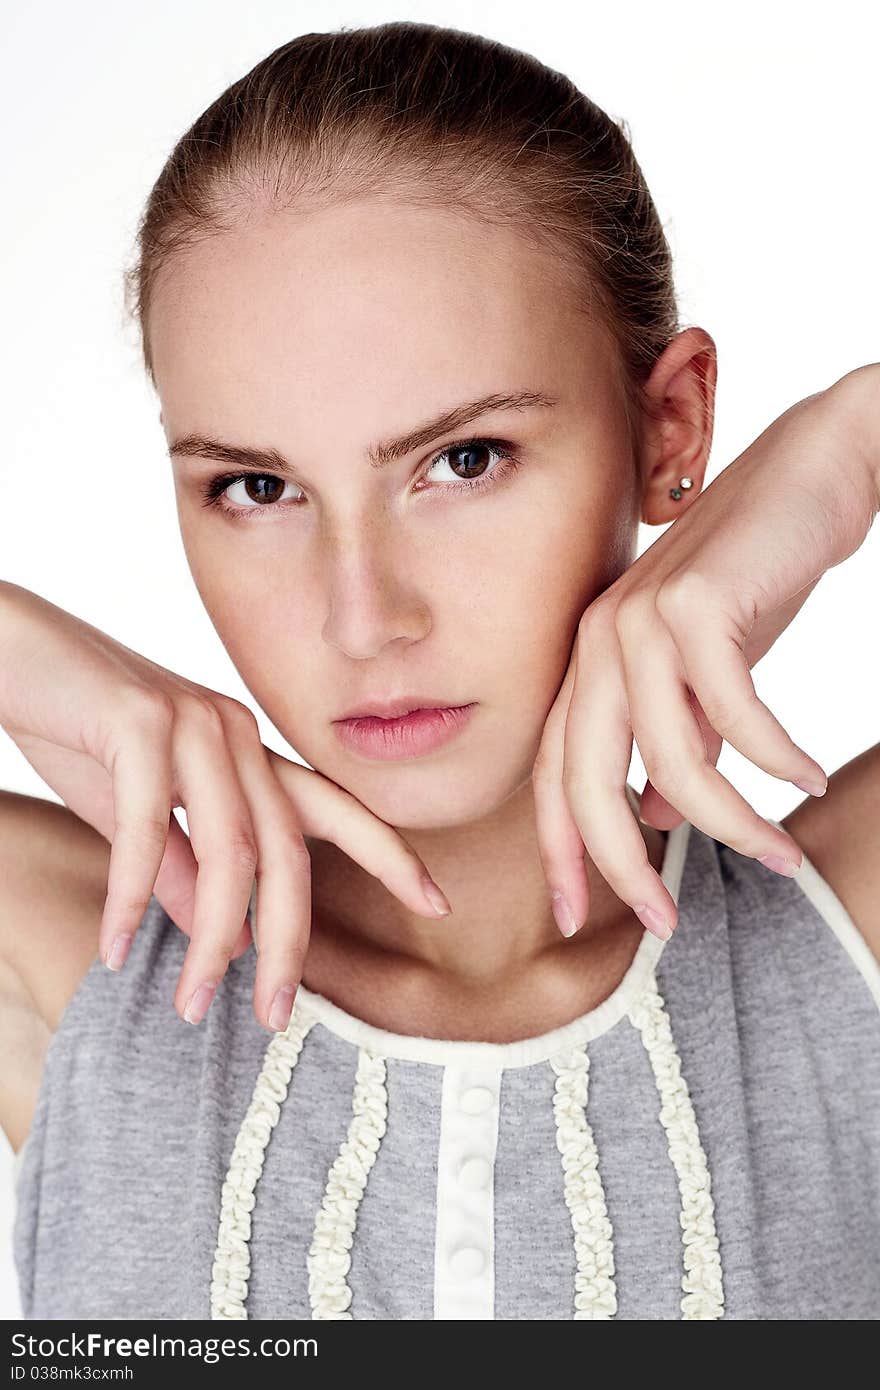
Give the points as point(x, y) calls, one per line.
point(428, 795)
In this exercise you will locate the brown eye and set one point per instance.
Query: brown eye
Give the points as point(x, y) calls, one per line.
point(469, 460)
point(258, 492)
point(262, 487)
point(471, 463)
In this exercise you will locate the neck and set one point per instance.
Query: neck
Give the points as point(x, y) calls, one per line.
point(501, 926)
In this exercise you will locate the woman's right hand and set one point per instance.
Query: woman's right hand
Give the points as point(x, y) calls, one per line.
point(123, 741)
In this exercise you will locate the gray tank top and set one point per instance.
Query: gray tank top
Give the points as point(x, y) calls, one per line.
point(704, 1144)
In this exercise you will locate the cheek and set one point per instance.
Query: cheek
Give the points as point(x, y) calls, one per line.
point(243, 583)
point(256, 612)
point(282, 665)
point(557, 566)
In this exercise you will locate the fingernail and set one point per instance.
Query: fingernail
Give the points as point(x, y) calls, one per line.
point(812, 788)
point(118, 951)
point(655, 921)
point(436, 897)
point(780, 865)
point(279, 1014)
point(565, 918)
point(198, 1005)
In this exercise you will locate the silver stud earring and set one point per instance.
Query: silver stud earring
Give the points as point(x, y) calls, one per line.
point(683, 485)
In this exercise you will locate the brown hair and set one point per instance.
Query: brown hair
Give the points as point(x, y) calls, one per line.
point(436, 116)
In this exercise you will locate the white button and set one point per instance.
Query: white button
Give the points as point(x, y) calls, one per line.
point(476, 1099)
point(474, 1173)
point(467, 1261)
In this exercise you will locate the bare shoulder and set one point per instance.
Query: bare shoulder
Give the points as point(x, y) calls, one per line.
point(53, 881)
point(840, 834)
point(24, 1038)
point(53, 878)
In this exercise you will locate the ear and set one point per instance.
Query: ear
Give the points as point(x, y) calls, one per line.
point(676, 429)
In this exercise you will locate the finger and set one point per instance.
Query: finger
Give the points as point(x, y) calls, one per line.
point(598, 751)
point(560, 847)
point(283, 874)
point(719, 675)
point(327, 811)
point(672, 748)
point(140, 774)
point(224, 843)
point(654, 809)
point(175, 887)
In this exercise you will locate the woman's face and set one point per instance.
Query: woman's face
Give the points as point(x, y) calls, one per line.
point(454, 574)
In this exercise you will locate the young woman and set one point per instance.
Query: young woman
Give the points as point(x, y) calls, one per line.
point(409, 312)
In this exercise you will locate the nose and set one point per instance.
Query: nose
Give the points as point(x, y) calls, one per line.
point(373, 597)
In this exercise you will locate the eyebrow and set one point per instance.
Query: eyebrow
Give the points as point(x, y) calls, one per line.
point(378, 455)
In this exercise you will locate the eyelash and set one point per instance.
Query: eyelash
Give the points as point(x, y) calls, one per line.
point(213, 489)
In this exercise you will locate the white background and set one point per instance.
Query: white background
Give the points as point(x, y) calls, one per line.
point(757, 128)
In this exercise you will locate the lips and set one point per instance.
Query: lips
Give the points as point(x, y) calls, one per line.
point(394, 709)
point(410, 735)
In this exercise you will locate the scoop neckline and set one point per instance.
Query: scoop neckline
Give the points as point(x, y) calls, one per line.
point(539, 1047)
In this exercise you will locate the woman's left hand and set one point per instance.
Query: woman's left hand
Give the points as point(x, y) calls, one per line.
point(664, 655)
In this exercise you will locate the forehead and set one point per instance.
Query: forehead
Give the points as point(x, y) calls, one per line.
point(380, 306)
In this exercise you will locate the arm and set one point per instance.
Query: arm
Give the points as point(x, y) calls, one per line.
point(840, 835)
point(24, 1038)
point(53, 874)
point(840, 832)
point(53, 881)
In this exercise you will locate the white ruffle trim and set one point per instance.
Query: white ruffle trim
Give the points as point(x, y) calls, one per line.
point(232, 1264)
point(702, 1281)
point(329, 1258)
point(596, 1294)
